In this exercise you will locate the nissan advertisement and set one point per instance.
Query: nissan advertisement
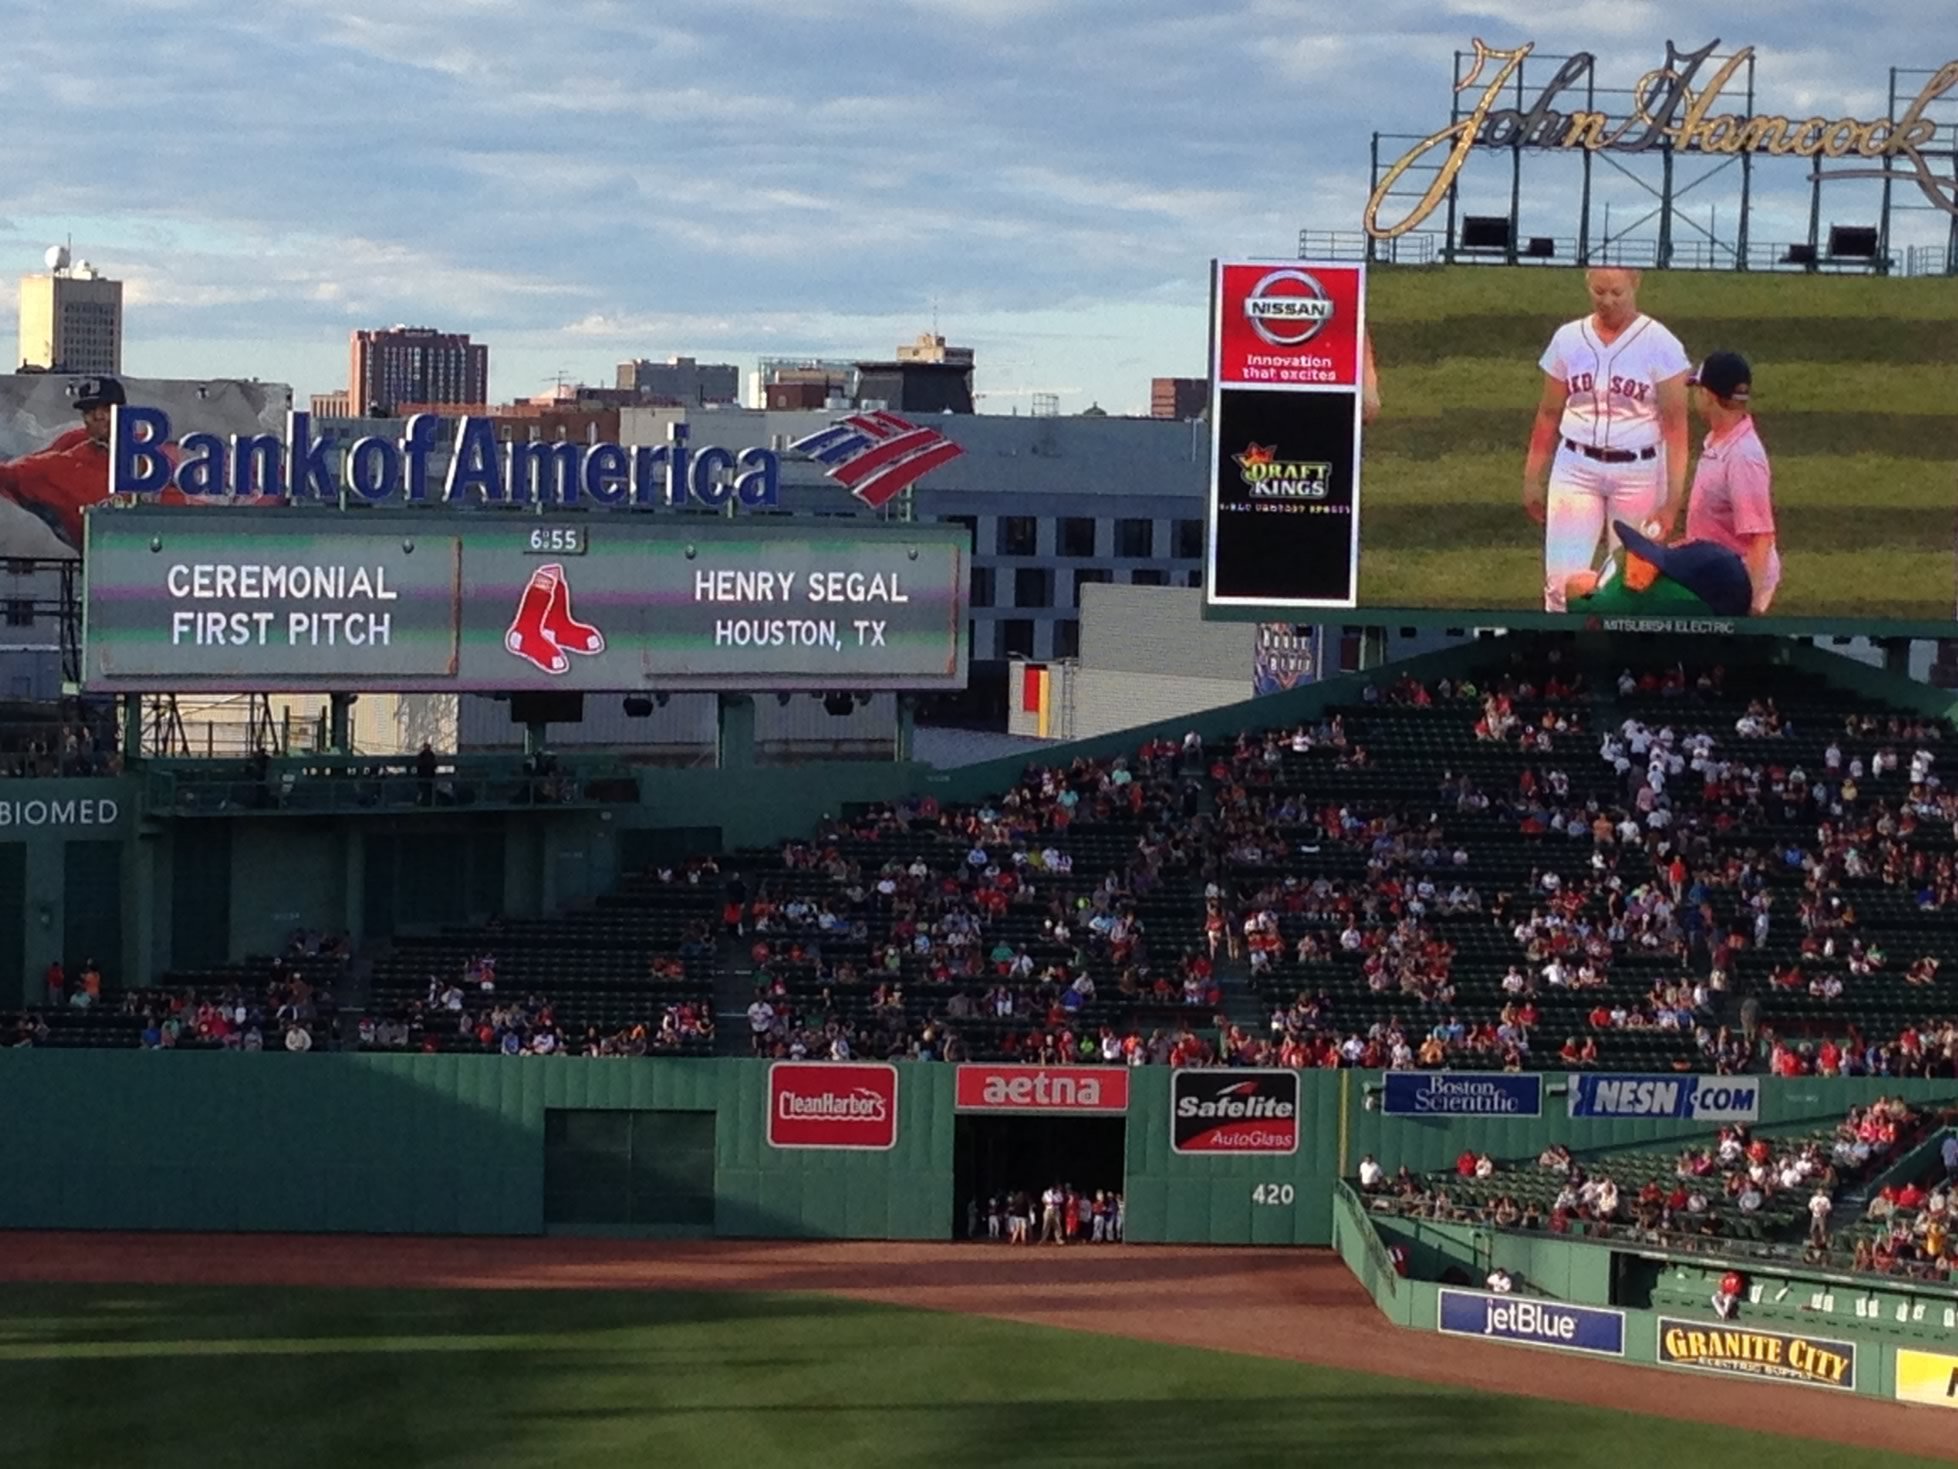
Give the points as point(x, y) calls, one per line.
point(1287, 371)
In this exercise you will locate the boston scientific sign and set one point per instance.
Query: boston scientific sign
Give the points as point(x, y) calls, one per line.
point(428, 601)
point(1675, 108)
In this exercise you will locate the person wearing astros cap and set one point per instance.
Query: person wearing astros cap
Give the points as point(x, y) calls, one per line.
point(57, 483)
point(1731, 503)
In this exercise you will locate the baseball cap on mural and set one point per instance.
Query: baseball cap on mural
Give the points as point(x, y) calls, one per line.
point(99, 392)
point(1725, 375)
point(1717, 576)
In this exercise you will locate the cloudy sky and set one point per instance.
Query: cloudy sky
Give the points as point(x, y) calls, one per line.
point(597, 179)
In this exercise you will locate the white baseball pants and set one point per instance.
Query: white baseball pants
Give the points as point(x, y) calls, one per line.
point(1585, 497)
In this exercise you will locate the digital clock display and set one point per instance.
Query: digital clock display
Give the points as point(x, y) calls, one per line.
point(556, 540)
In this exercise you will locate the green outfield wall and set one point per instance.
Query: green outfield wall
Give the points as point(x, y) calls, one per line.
point(1873, 1336)
point(493, 1145)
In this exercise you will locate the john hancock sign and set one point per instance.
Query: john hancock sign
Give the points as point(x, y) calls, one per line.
point(1669, 111)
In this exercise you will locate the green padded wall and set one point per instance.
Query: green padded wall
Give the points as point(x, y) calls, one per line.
point(415, 1144)
point(455, 1145)
point(13, 934)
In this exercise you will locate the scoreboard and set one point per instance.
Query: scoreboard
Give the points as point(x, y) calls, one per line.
point(271, 599)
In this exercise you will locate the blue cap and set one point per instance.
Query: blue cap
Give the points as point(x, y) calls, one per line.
point(1711, 572)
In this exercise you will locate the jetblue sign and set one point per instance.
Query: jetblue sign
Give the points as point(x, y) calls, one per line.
point(1687, 1098)
point(1532, 1323)
point(144, 461)
point(1457, 1094)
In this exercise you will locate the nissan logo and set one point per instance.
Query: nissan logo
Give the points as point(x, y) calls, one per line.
point(1290, 319)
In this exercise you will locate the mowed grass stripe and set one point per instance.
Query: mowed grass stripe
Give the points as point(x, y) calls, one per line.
point(1482, 290)
point(1860, 491)
point(1788, 434)
point(1511, 386)
point(573, 1378)
point(1923, 342)
point(1801, 530)
point(1817, 584)
point(1432, 315)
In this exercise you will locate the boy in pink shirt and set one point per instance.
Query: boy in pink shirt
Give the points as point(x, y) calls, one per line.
point(1732, 503)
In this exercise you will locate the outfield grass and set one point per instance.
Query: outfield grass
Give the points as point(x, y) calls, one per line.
point(1853, 385)
point(205, 1378)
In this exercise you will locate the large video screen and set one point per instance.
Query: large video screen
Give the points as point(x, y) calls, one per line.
point(1524, 415)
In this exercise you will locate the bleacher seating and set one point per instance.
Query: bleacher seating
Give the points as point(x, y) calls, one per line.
point(593, 971)
point(1485, 789)
point(1746, 1192)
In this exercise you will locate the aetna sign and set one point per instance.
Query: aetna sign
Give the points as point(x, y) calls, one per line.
point(1043, 1089)
point(832, 1104)
point(1225, 1111)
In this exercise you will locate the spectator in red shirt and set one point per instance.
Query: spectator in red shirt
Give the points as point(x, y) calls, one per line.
point(1732, 1286)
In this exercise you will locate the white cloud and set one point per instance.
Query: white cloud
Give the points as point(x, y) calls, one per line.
point(608, 175)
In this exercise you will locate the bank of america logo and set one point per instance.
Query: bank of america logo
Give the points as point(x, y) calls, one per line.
point(876, 456)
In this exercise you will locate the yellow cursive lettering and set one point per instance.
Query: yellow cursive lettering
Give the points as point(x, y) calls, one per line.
point(1462, 136)
point(1721, 134)
point(1899, 143)
point(1700, 105)
point(1586, 130)
point(1806, 140)
point(1763, 132)
point(1840, 136)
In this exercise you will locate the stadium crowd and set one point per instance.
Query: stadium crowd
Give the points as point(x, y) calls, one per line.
point(1686, 870)
point(1742, 1183)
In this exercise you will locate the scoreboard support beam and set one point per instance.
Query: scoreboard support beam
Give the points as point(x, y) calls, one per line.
point(734, 735)
point(132, 727)
point(339, 723)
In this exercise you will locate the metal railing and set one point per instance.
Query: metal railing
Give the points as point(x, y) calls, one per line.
point(316, 784)
point(1430, 247)
point(1826, 1264)
point(1376, 1266)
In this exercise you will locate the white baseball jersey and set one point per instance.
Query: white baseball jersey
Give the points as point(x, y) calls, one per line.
point(1614, 389)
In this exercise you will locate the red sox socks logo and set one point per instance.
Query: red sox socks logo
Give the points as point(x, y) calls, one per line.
point(544, 629)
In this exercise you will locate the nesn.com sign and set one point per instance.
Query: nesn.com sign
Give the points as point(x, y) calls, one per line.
point(1688, 1098)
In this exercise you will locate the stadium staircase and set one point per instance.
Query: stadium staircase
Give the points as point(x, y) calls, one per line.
point(734, 988)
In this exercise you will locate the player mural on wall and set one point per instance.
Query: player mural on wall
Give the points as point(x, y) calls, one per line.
point(57, 483)
point(1609, 442)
